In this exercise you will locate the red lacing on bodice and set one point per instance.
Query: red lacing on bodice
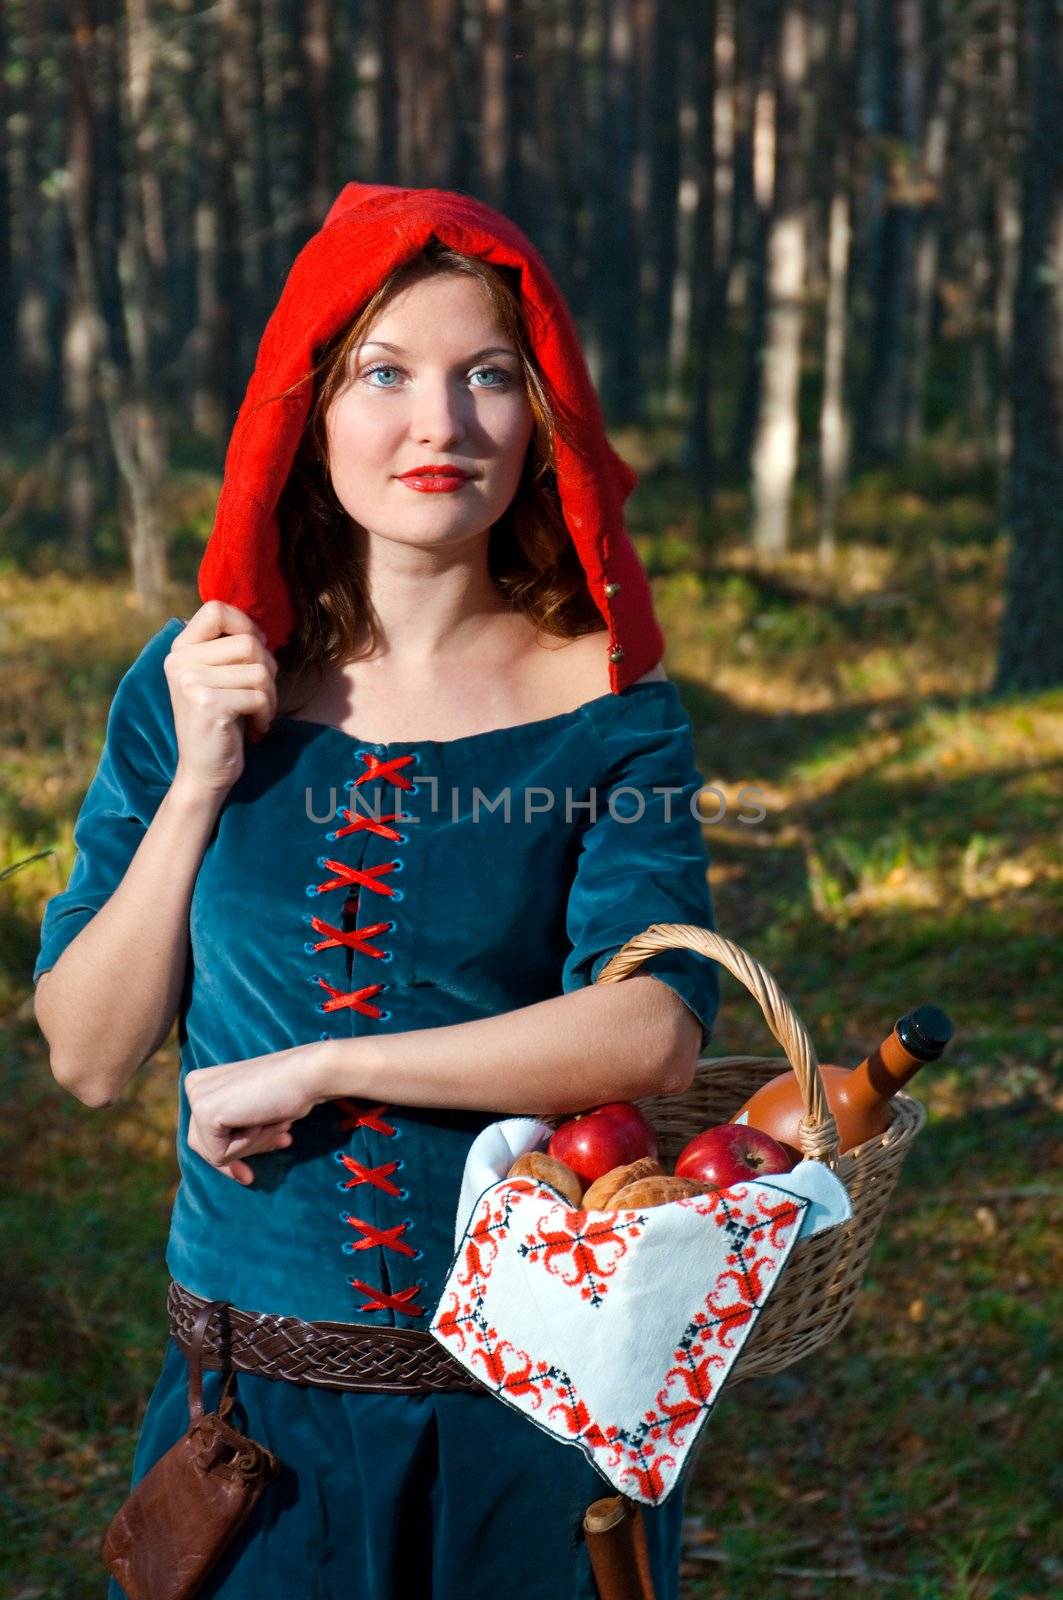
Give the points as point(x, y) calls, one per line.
point(379, 1177)
point(357, 1118)
point(365, 877)
point(357, 940)
point(400, 1301)
point(354, 939)
point(386, 770)
point(385, 1238)
point(359, 821)
point(352, 999)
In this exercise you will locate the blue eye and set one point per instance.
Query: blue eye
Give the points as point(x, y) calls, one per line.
point(504, 378)
point(498, 372)
point(383, 367)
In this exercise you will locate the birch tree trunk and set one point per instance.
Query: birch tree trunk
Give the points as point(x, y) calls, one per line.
point(774, 463)
point(835, 429)
point(137, 433)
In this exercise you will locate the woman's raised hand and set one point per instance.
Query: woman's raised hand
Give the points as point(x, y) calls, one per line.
point(219, 671)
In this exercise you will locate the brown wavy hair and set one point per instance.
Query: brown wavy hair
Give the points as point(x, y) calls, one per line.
point(531, 556)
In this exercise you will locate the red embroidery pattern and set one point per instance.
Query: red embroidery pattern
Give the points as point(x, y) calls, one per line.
point(703, 1350)
point(581, 1252)
point(361, 941)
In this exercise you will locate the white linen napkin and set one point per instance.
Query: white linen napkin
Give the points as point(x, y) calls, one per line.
point(615, 1330)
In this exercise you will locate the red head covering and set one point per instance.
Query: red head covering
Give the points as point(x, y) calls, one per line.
point(370, 230)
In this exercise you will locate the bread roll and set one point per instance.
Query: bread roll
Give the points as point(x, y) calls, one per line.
point(599, 1197)
point(646, 1192)
point(544, 1169)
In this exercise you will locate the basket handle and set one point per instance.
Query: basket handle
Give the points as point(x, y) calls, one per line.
point(818, 1129)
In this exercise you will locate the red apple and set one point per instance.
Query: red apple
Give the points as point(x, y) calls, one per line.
point(597, 1141)
point(731, 1154)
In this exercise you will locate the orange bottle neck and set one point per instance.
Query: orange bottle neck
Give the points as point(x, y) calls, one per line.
point(886, 1069)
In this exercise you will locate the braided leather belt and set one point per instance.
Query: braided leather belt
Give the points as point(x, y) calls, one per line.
point(329, 1355)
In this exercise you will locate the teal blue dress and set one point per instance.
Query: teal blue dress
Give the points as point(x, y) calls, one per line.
point(350, 887)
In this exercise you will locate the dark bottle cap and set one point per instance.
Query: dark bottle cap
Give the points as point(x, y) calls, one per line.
point(925, 1032)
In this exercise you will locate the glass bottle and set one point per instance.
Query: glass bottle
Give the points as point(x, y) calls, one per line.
point(859, 1097)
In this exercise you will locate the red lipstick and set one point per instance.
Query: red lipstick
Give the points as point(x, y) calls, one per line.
point(437, 479)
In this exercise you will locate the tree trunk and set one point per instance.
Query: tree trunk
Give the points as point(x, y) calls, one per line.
point(140, 449)
point(7, 286)
point(900, 90)
point(567, 115)
point(617, 272)
point(387, 94)
point(700, 453)
point(37, 371)
point(774, 463)
point(680, 311)
point(664, 157)
point(1007, 202)
point(217, 376)
point(1031, 642)
point(434, 91)
point(237, 174)
point(928, 238)
point(497, 128)
point(755, 186)
point(92, 368)
point(834, 420)
point(319, 111)
point(971, 266)
point(596, 78)
point(82, 334)
point(724, 133)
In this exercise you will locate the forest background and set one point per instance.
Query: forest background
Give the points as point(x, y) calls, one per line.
point(815, 252)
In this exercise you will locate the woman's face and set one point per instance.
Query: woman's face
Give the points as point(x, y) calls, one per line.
point(434, 383)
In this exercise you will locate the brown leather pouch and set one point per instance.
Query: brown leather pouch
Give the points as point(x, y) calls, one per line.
point(186, 1510)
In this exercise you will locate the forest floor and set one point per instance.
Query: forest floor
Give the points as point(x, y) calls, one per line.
point(908, 851)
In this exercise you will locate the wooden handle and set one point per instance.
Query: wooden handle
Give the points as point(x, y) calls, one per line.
point(616, 1544)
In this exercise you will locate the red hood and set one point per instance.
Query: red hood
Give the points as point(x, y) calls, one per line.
point(371, 229)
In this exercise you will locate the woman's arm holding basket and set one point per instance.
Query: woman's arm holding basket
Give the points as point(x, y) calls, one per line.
point(615, 1041)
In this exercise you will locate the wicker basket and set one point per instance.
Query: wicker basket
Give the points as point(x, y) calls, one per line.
point(816, 1294)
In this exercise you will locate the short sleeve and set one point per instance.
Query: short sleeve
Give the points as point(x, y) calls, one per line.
point(135, 770)
point(642, 857)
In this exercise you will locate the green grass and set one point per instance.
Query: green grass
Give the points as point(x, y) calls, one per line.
point(909, 852)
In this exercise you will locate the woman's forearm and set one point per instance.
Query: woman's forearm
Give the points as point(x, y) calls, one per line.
point(110, 999)
point(616, 1041)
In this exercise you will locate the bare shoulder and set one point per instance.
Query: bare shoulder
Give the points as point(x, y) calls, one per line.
point(577, 670)
point(656, 674)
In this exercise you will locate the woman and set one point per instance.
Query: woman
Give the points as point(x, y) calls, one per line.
point(465, 783)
